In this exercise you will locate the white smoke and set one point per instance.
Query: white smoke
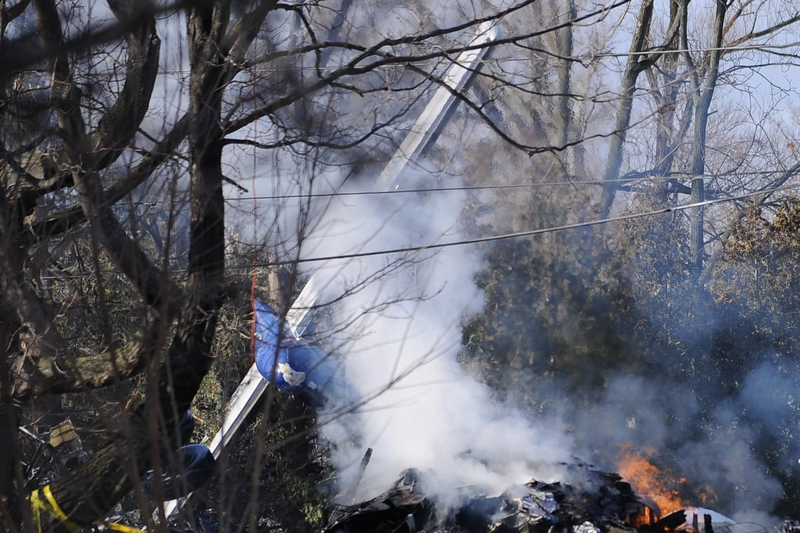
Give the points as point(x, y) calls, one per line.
point(411, 401)
point(718, 454)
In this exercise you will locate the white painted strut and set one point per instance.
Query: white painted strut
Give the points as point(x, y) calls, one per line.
point(429, 124)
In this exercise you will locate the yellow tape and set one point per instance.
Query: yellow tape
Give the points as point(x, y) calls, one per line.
point(123, 528)
point(72, 526)
point(38, 506)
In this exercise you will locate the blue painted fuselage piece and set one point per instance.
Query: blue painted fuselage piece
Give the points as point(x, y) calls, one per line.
point(288, 363)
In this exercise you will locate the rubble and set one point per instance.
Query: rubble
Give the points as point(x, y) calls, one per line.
point(595, 502)
point(592, 501)
point(586, 500)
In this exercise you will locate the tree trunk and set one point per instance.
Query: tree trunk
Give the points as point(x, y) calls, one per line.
point(87, 493)
point(703, 96)
point(564, 39)
point(636, 64)
point(664, 86)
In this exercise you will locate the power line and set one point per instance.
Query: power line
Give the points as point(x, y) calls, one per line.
point(479, 240)
point(640, 177)
point(529, 233)
point(566, 183)
point(763, 47)
point(740, 48)
point(415, 191)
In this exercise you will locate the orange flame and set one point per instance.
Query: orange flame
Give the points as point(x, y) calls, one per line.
point(648, 481)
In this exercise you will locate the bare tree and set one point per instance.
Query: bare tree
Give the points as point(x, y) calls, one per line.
point(78, 101)
point(85, 133)
point(687, 73)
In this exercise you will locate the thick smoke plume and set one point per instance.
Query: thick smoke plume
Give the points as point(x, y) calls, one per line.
point(394, 324)
point(409, 399)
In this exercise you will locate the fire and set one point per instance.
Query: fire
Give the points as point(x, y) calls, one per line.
point(648, 481)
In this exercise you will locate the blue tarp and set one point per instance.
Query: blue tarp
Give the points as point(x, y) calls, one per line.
point(288, 363)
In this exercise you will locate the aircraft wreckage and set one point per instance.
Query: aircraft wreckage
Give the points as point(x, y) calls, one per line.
point(586, 500)
point(593, 502)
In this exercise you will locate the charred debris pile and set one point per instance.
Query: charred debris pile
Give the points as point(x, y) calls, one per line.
point(592, 502)
point(583, 500)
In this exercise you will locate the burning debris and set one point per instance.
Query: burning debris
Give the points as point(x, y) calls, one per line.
point(650, 481)
point(597, 501)
point(592, 502)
